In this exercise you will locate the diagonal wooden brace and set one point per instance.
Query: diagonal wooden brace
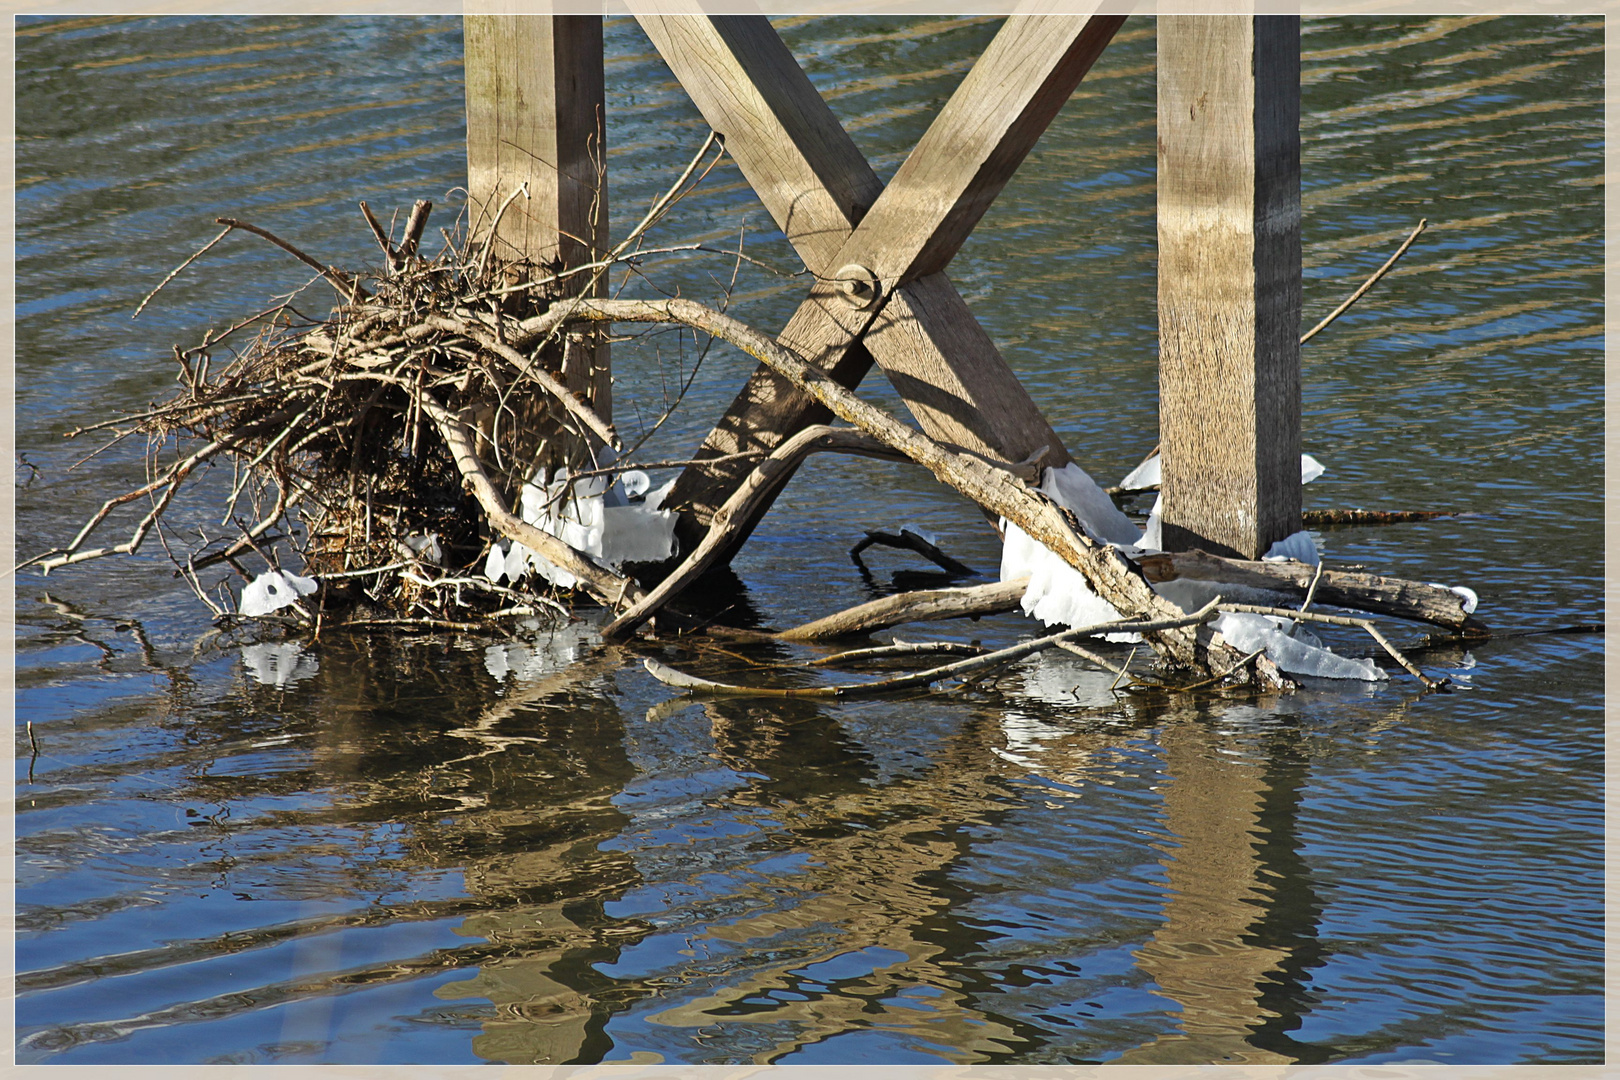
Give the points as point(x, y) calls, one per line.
point(832, 207)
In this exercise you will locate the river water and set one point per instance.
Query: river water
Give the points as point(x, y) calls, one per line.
point(456, 849)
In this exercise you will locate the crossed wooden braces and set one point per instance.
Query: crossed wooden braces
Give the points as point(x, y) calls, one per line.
point(878, 253)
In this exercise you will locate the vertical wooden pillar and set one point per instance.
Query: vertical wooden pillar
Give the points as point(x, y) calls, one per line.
point(535, 116)
point(1229, 280)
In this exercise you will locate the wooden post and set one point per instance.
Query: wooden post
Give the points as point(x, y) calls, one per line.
point(535, 117)
point(1229, 281)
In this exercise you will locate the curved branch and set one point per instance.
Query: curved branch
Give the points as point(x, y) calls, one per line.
point(570, 401)
point(738, 512)
point(1107, 571)
point(610, 589)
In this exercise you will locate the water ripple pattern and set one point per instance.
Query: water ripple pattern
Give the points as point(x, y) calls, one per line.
point(443, 850)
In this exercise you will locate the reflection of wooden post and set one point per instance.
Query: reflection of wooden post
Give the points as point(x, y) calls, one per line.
point(535, 117)
point(1229, 280)
point(1202, 956)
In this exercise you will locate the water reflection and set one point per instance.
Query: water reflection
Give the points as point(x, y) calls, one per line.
point(1232, 951)
point(847, 922)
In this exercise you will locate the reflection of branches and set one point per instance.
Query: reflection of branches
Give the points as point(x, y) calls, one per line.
point(485, 731)
point(879, 885)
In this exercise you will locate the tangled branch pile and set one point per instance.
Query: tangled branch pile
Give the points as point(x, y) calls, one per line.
point(383, 442)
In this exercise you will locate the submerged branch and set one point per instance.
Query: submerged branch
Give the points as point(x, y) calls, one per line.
point(1001, 657)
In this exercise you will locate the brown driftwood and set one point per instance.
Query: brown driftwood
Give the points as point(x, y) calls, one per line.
point(1364, 592)
point(611, 590)
point(899, 648)
point(920, 606)
point(737, 513)
point(1108, 572)
point(1001, 657)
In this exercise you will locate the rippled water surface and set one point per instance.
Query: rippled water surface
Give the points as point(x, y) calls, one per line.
point(457, 849)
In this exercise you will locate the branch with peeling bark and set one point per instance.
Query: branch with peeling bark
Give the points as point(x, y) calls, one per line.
point(1108, 572)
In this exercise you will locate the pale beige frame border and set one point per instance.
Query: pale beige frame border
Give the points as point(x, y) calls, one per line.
point(789, 1072)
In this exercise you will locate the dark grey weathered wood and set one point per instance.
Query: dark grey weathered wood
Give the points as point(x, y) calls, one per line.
point(1229, 280)
point(1371, 593)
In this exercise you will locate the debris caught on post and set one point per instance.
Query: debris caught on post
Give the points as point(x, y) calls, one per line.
point(422, 453)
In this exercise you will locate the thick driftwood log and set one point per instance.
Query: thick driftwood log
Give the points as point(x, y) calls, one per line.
point(1112, 576)
point(737, 513)
point(1364, 592)
point(919, 606)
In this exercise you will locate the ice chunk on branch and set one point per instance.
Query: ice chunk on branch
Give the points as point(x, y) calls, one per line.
point(273, 590)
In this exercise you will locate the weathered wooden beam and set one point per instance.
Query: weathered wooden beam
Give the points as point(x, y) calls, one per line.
point(536, 121)
point(976, 143)
point(1229, 280)
point(810, 176)
point(817, 187)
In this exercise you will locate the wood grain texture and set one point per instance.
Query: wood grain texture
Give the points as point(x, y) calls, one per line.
point(976, 143)
point(1229, 280)
point(813, 180)
point(535, 116)
point(818, 189)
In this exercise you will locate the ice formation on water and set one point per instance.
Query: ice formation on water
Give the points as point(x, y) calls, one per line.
point(1470, 598)
point(1058, 594)
point(1146, 475)
point(278, 664)
point(612, 523)
point(273, 590)
point(1292, 648)
point(1300, 547)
